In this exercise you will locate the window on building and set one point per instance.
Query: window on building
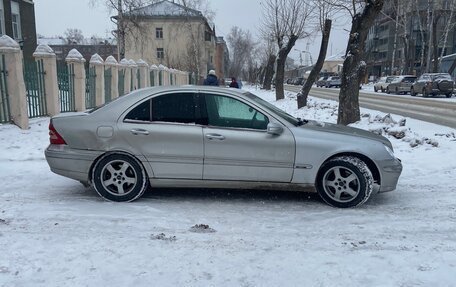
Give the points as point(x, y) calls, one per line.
point(160, 53)
point(207, 36)
point(159, 33)
point(16, 20)
point(2, 20)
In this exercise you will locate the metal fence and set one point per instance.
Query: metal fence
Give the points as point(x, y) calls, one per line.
point(121, 84)
point(65, 81)
point(5, 115)
point(152, 78)
point(138, 76)
point(34, 85)
point(107, 84)
point(91, 83)
point(160, 78)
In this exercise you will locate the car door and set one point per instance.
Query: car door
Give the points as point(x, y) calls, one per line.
point(237, 145)
point(164, 130)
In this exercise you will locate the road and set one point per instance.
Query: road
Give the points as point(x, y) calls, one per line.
point(437, 112)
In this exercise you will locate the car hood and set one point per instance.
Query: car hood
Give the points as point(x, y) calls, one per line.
point(344, 130)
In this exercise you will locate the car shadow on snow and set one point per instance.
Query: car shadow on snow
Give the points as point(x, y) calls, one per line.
point(229, 195)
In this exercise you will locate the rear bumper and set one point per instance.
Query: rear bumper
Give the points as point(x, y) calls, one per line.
point(71, 163)
point(390, 170)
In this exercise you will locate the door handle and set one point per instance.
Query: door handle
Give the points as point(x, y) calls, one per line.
point(215, 137)
point(139, 132)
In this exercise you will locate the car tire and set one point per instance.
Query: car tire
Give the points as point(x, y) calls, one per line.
point(345, 182)
point(382, 89)
point(375, 89)
point(449, 95)
point(120, 178)
point(388, 90)
point(412, 92)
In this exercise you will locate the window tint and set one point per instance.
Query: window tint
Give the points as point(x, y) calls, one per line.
point(140, 113)
point(176, 108)
point(224, 111)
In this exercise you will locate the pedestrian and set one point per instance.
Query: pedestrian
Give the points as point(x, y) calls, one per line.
point(211, 79)
point(233, 83)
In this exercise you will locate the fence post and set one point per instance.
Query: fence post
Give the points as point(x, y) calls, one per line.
point(77, 60)
point(112, 63)
point(134, 75)
point(15, 81)
point(97, 62)
point(154, 81)
point(127, 79)
point(47, 55)
point(143, 70)
point(125, 64)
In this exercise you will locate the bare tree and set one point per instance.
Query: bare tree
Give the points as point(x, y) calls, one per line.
point(286, 21)
point(363, 14)
point(241, 47)
point(268, 58)
point(325, 13)
point(74, 36)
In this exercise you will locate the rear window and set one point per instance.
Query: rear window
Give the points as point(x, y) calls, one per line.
point(409, 80)
point(442, 76)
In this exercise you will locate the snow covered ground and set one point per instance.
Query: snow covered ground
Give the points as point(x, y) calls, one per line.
point(54, 232)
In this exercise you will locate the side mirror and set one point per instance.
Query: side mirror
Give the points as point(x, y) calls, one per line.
point(275, 129)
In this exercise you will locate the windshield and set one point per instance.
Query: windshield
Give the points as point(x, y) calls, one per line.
point(289, 118)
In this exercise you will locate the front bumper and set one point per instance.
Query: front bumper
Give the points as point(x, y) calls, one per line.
point(71, 163)
point(390, 170)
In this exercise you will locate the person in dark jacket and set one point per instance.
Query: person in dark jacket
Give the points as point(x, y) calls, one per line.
point(211, 79)
point(233, 83)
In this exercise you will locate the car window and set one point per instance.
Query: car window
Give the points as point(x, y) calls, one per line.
point(224, 111)
point(409, 80)
point(175, 108)
point(441, 76)
point(140, 112)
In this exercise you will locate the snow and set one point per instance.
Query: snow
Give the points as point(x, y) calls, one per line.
point(111, 61)
point(74, 55)
point(8, 43)
point(43, 51)
point(96, 60)
point(55, 232)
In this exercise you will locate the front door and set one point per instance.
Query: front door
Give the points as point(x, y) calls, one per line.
point(237, 146)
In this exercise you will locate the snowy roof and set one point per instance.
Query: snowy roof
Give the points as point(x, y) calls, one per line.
point(60, 41)
point(164, 8)
point(336, 58)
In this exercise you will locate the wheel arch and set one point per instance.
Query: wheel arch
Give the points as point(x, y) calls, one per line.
point(369, 162)
point(148, 171)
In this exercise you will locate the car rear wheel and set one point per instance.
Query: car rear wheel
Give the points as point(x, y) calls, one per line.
point(449, 95)
point(388, 90)
point(345, 182)
point(412, 92)
point(375, 89)
point(119, 177)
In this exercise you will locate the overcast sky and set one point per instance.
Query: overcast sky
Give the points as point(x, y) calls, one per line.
point(53, 17)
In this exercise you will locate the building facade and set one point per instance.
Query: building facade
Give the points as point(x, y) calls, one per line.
point(17, 20)
point(222, 58)
point(408, 37)
point(170, 34)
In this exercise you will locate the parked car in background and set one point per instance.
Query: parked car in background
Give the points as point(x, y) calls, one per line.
point(401, 84)
point(333, 81)
point(383, 83)
point(207, 137)
point(432, 84)
point(299, 81)
point(321, 82)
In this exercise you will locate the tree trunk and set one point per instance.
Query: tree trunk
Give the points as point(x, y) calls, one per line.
point(269, 74)
point(304, 93)
point(280, 69)
point(120, 31)
point(435, 45)
point(396, 30)
point(353, 68)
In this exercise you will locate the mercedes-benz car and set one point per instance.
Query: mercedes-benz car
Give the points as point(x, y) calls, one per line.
point(195, 136)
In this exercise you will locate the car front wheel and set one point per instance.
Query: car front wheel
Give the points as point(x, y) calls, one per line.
point(119, 177)
point(345, 182)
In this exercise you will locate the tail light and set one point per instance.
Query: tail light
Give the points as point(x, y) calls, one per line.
point(54, 136)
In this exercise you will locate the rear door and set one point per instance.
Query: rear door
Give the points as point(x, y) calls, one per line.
point(163, 129)
point(237, 145)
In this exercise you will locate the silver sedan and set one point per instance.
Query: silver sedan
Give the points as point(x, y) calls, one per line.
point(194, 136)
